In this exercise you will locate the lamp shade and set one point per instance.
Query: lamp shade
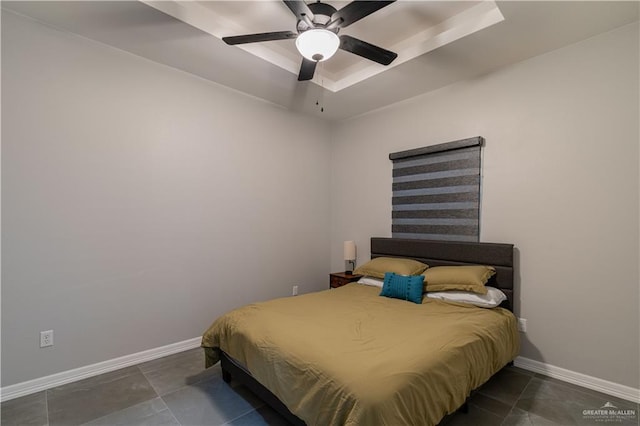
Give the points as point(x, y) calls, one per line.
point(349, 250)
point(317, 44)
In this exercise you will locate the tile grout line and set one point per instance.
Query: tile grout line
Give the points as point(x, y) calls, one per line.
point(223, 424)
point(169, 408)
point(241, 415)
point(149, 381)
point(173, 390)
point(128, 406)
point(477, 407)
point(171, 412)
point(517, 399)
point(176, 389)
point(46, 405)
point(263, 404)
point(158, 394)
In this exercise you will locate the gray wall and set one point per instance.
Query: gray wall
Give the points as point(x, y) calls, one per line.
point(140, 202)
point(560, 181)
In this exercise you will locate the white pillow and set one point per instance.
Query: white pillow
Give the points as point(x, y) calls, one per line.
point(493, 298)
point(376, 282)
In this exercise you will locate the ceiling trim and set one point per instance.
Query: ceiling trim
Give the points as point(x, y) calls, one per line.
point(203, 18)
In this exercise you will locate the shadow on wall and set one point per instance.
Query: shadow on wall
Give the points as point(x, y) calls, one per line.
point(526, 346)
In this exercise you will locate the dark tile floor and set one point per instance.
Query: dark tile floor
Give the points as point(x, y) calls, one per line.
point(176, 390)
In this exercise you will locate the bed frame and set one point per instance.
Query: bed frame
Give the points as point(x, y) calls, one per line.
point(433, 253)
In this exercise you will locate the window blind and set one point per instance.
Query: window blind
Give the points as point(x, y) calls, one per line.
point(436, 191)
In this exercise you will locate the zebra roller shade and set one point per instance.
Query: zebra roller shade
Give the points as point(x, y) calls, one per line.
point(436, 191)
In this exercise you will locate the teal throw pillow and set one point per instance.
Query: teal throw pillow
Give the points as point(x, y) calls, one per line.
point(405, 287)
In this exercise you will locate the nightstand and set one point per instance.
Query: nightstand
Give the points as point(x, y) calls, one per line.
point(338, 279)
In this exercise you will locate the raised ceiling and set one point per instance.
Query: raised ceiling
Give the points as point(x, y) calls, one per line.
point(408, 28)
point(455, 49)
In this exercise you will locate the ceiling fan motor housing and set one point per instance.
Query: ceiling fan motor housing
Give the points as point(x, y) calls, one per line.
point(322, 13)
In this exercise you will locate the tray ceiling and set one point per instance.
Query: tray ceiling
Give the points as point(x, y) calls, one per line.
point(409, 28)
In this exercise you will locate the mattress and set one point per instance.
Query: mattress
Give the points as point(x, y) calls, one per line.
point(348, 356)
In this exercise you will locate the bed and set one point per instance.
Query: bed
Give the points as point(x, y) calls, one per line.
point(348, 356)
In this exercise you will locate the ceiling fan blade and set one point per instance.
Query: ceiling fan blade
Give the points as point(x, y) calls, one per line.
point(300, 9)
point(253, 38)
point(367, 50)
point(357, 10)
point(307, 69)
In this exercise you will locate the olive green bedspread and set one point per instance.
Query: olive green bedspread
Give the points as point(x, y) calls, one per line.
point(351, 357)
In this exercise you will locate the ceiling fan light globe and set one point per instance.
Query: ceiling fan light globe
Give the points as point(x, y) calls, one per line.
point(317, 44)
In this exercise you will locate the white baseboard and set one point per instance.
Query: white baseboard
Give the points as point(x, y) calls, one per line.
point(47, 382)
point(589, 382)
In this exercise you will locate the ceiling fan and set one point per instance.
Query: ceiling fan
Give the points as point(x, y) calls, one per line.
point(317, 37)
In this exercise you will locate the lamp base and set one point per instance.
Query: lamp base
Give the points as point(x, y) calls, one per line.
point(349, 266)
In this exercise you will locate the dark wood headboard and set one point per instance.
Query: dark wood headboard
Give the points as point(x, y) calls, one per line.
point(445, 253)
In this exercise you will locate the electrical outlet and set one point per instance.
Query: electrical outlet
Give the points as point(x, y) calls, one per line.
point(294, 292)
point(522, 325)
point(46, 338)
